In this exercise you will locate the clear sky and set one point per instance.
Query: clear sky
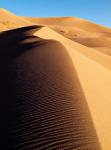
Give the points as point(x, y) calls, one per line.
point(98, 11)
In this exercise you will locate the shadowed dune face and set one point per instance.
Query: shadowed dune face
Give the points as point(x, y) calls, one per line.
point(94, 72)
point(42, 104)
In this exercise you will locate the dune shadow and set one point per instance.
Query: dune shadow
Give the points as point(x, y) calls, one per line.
point(12, 44)
point(42, 105)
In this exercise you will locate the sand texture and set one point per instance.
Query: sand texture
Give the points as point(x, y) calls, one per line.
point(55, 83)
point(42, 103)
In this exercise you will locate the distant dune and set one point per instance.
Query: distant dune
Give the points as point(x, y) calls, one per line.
point(55, 83)
point(10, 21)
point(79, 30)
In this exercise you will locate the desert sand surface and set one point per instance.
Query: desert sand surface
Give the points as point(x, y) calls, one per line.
point(94, 72)
point(79, 30)
point(55, 83)
point(43, 105)
point(9, 20)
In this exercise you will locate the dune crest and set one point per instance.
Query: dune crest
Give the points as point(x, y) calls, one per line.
point(79, 30)
point(42, 103)
point(94, 72)
point(65, 59)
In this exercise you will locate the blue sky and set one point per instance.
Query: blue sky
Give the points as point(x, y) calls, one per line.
point(98, 11)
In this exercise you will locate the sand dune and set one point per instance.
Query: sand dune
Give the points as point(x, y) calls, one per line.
point(79, 30)
point(102, 59)
point(43, 105)
point(9, 20)
point(94, 72)
point(55, 83)
point(71, 21)
point(76, 29)
point(73, 28)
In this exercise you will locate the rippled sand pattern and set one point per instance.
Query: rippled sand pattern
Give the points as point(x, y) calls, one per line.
point(43, 106)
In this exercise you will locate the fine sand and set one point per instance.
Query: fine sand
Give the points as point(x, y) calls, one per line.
point(79, 30)
point(55, 83)
point(42, 105)
point(9, 20)
point(94, 72)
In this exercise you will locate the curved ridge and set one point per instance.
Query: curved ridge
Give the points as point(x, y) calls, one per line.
point(42, 102)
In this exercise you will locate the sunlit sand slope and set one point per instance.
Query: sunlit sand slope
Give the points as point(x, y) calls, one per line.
point(94, 72)
point(9, 20)
point(76, 29)
point(42, 105)
point(79, 30)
